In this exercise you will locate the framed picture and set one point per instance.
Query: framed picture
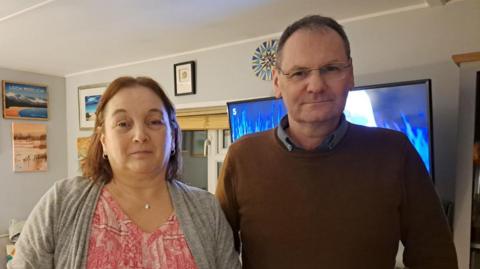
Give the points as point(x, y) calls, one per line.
point(83, 143)
point(24, 101)
point(29, 147)
point(184, 74)
point(198, 140)
point(88, 99)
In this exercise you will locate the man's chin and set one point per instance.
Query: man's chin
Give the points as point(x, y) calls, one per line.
point(318, 119)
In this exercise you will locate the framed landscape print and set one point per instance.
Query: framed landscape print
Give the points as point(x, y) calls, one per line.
point(88, 99)
point(184, 74)
point(29, 147)
point(24, 101)
point(83, 143)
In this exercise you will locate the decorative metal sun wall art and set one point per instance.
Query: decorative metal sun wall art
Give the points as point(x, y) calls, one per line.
point(264, 59)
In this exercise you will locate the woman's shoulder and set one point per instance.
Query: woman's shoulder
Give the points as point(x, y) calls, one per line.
point(69, 189)
point(191, 195)
point(186, 189)
point(73, 182)
point(73, 185)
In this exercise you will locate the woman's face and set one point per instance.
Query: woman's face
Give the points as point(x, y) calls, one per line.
point(137, 135)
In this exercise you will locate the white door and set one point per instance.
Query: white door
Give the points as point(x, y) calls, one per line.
point(216, 147)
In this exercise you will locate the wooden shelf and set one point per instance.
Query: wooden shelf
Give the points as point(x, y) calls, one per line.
point(466, 57)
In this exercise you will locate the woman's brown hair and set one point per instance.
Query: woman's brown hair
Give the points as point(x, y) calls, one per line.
point(95, 166)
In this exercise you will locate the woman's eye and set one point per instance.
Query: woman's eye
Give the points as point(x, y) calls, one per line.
point(155, 122)
point(123, 124)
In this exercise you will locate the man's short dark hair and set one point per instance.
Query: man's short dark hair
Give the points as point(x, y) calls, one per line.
point(312, 22)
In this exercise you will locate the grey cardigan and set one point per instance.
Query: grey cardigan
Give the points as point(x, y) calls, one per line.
point(57, 230)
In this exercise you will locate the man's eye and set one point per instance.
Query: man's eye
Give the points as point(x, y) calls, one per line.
point(299, 74)
point(330, 68)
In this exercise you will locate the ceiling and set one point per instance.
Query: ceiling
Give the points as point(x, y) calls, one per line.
point(65, 37)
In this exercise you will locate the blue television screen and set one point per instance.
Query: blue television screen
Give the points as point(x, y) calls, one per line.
point(402, 106)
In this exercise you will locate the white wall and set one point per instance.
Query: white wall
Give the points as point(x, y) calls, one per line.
point(19, 192)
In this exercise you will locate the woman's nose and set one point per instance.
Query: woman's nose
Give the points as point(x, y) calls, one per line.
point(140, 135)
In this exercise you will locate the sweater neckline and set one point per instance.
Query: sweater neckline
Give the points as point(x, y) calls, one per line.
point(299, 153)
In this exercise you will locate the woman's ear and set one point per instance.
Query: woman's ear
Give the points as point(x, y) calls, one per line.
point(102, 140)
point(174, 133)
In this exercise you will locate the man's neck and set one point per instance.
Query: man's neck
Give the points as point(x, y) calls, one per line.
point(310, 135)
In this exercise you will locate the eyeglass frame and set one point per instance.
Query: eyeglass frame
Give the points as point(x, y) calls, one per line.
point(342, 67)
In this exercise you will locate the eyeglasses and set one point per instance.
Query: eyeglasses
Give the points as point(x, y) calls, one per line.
point(330, 72)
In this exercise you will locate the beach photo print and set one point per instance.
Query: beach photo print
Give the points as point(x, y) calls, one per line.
point(88, 99)
point(24, 101)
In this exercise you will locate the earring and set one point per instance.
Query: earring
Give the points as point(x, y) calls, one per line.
point(104, 156)
point(172, 152)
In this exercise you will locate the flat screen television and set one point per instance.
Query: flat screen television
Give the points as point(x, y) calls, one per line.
point(401, 106)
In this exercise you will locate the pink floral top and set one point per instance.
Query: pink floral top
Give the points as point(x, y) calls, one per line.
point(116, 242)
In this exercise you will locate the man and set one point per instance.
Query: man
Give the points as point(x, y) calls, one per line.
point(319, 192)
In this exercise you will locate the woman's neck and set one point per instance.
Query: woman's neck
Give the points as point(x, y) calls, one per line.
point(145, 200)
point(139, 186)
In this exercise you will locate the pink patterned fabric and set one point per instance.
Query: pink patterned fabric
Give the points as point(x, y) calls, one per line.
point(116, 242)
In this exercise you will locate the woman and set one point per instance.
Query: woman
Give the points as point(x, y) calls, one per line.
point(129, 210)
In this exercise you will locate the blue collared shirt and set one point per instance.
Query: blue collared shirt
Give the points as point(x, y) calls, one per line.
point(328, 143)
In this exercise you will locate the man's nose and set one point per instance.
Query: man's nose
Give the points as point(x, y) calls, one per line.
point(316, 82)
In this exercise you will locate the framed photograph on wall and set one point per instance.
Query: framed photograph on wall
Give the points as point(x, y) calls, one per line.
point(24, 101)
point(29, 147)
point(88, 99)
point(184, 74)
point(83, 143)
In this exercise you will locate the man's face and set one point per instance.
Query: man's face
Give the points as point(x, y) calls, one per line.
point(317, 96)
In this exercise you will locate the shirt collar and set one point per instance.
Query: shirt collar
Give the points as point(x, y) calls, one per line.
point(328, 143)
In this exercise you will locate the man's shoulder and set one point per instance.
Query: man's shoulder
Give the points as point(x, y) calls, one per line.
point(254, 141)
point(376, 135)
point(376, 132)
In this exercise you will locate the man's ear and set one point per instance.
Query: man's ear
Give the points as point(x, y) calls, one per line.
point(352, 77)
point(275, 81)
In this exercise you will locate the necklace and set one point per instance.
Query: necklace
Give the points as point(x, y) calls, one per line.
point(147, 206)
